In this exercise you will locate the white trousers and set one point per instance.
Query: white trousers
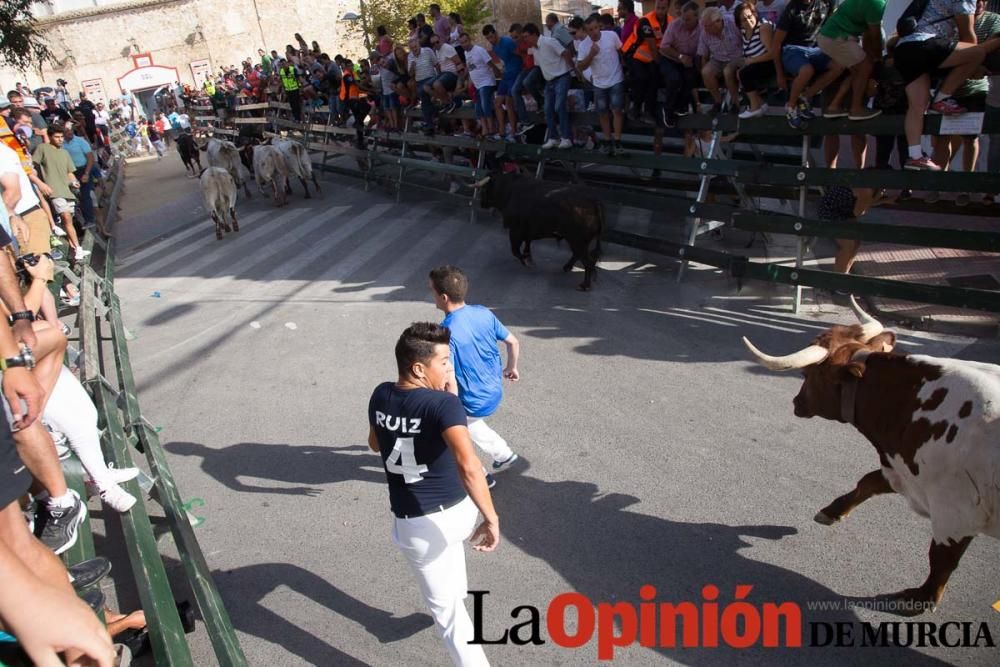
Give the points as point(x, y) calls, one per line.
point(434, 546)
point(488, 440)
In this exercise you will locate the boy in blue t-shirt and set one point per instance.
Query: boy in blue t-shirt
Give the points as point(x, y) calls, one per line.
point(475, 332)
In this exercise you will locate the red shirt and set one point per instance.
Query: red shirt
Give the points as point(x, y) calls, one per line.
point(527, 60)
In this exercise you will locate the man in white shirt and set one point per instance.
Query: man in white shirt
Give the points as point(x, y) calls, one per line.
point(480, 64)
point(601, 52)
point(29, 223)
point(556, 62)
point(445, 83)
point(423, 66)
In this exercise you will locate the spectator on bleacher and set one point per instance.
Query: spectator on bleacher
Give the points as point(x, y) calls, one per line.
point(480, 64)
point(970, 95)
point(601, 53)
point(90, 122)
point(411, 24)
point(529, 81)
point(52, 113)
point(441, 25)
point(103, 122)
point(21, 125)
point(607, 22)
point(423, 67)
point(556, 62)
point(640, 52)
point(721, 50)
point(928, 44)
point(627, 15)
point(455, 29)
point(852, 37)
point(558, 31)
point(758, 62)
point(353, 101)
point(450, 65)
point(60, 174)
point(770, 11)
point(265, 61)
point(384, 45)
point(30, 223)
point(83, 160)
point(679, 48)
point(796, 54)
point(390, 99)
point(506, 49)
point(424, 31)
point(727, 7)
point(38, 122)
point(290, 83)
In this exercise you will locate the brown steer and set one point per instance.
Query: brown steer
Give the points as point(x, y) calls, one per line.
point(935, 424)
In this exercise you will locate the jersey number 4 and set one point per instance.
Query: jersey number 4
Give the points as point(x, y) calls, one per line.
point(403, 449)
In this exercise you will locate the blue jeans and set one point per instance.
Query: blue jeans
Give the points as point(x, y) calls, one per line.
point(529, 81)
point(426, 105)
point(86, 203)
point(555, 103)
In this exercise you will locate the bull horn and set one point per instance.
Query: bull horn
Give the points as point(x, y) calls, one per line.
point(804, 357)
point(870, 327)
point(479, 184)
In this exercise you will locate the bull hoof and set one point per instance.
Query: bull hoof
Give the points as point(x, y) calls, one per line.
point(825, 519)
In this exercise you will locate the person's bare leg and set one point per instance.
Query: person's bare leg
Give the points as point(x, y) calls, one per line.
point(963, 61)
point(847, 251)
point(35, 555)
point(837, 103)
point(831, 150)
point(710, 76)
point(941, 153)
point(917, 97)
point(51, 349)
point(619, 122)
point(860, 74)
point(605, 119)
point(38, 454)
point(970, 152)
point(859, 146)
point(67, 221)
point(49, 310)
point(800, 84)
point(501, 115)
point(729, 73)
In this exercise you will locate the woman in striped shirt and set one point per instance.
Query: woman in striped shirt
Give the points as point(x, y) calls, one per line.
point(758, 63)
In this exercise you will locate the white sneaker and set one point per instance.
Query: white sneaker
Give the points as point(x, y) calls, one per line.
point(58, 231)
point(754, 113)
point(119, 475)
point(80, 253)
point(551, 143)
point(566, 143)
point(117, 498)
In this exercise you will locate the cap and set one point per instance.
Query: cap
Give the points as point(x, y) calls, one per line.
point(30, 102)
point(4, 103)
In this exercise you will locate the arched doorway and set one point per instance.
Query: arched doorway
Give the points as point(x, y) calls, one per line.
point(143, 82)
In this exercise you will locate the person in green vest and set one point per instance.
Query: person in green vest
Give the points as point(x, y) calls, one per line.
point(290, 82)
point(265, 61)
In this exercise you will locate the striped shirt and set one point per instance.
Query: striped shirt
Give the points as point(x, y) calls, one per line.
point(753, 47)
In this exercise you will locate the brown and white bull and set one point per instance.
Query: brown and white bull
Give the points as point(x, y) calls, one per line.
point(219, 190)
point(224, 154)
point(269, 168)
point(935, 424)
point(297, 161)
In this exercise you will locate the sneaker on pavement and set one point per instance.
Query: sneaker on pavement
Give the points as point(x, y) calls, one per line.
point(89, 572)
point(117, 498)
point(551, 143)
point(62, 527)
point(922, 163)
point(566, 143)
point(490, 482)
point(867, 114)
point(500, 466)
point(947, 107)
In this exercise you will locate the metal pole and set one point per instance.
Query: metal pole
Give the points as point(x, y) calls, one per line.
point(801, 250)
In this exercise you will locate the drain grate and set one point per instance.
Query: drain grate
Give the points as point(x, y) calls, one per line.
point(981, 281)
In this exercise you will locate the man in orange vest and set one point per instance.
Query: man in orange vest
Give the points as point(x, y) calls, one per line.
point(641, 51)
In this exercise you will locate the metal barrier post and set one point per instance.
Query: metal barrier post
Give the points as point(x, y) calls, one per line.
point(801, 244)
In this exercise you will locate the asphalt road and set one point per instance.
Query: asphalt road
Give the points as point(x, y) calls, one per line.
point(656, 452)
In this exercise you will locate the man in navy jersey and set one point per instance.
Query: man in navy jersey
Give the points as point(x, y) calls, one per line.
point(436, 484)
point(479, 374)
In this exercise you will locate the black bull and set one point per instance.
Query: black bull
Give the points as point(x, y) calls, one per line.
point(537, 210)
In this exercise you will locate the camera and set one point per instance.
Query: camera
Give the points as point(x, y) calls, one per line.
point(30, 259)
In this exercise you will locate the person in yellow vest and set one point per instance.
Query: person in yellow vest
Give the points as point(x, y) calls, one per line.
point(640, 51)
point(290, 83)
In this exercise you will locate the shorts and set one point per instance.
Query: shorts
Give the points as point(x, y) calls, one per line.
point(718, 66)
point(914, 59)
point(62, 205)
point(390, 101)
point(612, 98)
point(506, 85)
point(795, 57)
point(484, 101)
point(448, 81)
point(14, 477)
point(38, 233)
point(847, 52)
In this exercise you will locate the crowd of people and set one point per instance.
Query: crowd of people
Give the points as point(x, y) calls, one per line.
point(855, 60)
point(52, 156)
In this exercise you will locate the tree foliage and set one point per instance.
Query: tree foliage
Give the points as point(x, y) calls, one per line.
point(21, 44)
point(393, 14)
